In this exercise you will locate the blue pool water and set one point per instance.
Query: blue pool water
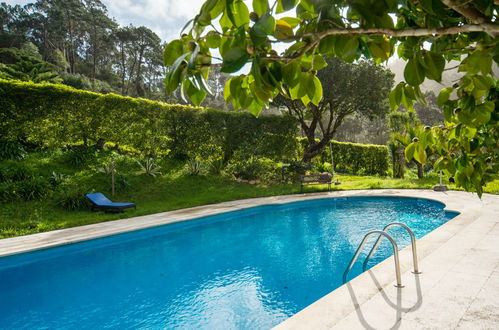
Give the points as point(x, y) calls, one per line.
point(248, 269)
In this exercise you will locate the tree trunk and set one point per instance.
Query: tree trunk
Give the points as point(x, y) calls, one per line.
point(401, 163)
point(420, 170)
point(314, 149)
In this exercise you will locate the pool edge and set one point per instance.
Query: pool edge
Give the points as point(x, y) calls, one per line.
point(51, 239)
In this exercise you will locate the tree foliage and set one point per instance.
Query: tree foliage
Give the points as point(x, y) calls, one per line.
point(361, 88)
point(86, 47)
point(427, 34)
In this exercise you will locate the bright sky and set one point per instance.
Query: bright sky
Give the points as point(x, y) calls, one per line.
point(165, 17)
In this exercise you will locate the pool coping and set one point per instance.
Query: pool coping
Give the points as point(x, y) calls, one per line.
point(328, 310)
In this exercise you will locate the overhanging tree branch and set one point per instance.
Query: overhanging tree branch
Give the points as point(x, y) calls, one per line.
point(490, 28)
point(467, 11)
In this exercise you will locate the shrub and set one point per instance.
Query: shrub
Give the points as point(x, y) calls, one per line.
point(11, 150)
point(216, 166)
point(8, 191)
point(15, 172)
point(122, 183)
point(31, 189)
point(194, 167)
point(56, 179)
point(254, 168)
point(34, 188)
point(323, 167)
point(149, 167)
point(71, 197)
point(58, 114)
point(356, 158)
point(79, 156)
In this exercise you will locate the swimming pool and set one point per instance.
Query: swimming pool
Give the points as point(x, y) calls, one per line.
point(244, 269)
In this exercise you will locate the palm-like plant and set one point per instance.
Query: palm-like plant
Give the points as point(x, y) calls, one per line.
point(149, 167)
point(109, 169)
point(29, 71)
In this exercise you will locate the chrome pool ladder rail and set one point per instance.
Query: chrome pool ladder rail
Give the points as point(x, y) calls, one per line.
point(395, 255)
point(413, 246)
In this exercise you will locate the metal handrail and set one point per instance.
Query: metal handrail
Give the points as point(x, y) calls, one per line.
point(413, 244)
point(395, 254)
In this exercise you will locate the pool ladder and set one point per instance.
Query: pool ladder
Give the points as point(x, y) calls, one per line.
point(380, 234)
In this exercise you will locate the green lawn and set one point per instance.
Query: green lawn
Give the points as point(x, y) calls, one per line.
point(175, 191)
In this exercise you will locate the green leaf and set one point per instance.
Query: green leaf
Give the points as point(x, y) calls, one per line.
point(194, 94)
point(266, 24)
point(217, 9)
point(292, 21)
point(396, 96)
point(173, 51)
point(283, 30)
point(284, 5)
point(434, 65)
point(315, 62)
point(234, 60)
point(326, 45)
point(380, 49)
point(477, 61)
point(408, 97)
point(227, 93)
point(427, 6)
point(409, 151)
point(260, 6)
point(346, 47)
point(238, 13)
point(173, 80)
point(304, 84)
point(444, 96)
point(420, 154)
point(203, 83)
point(213, 40)
point(482, 116)
point(193, 58)
point(316, 96)
point(414, 73)
point(291, 73)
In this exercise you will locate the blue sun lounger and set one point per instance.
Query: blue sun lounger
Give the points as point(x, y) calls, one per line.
point(101, 202)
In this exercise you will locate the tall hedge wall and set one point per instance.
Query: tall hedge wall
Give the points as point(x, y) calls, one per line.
point(58, 114)
point(356, 158)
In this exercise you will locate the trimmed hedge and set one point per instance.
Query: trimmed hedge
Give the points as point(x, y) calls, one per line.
point(57, 115)
point(356, 158)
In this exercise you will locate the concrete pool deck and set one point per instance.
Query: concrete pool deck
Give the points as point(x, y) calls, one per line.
point(458, 287)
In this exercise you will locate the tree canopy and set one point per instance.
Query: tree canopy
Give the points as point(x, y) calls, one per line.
point(361, 89)
point(427, 34)
point(84, 46)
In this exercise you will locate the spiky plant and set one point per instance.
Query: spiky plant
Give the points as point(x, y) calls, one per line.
point(149, 167)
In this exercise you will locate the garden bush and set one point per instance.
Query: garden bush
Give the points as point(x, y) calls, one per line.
point(11, 150)
point(71, 197)
point(356, 158)
point(56, 115)
point(254, 168)
point(79, 155)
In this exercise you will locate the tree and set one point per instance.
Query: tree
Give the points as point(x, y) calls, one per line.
point(426, 34)
point(99, 27)
point(429, 113)
point(405, 127)
point(351, 88)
